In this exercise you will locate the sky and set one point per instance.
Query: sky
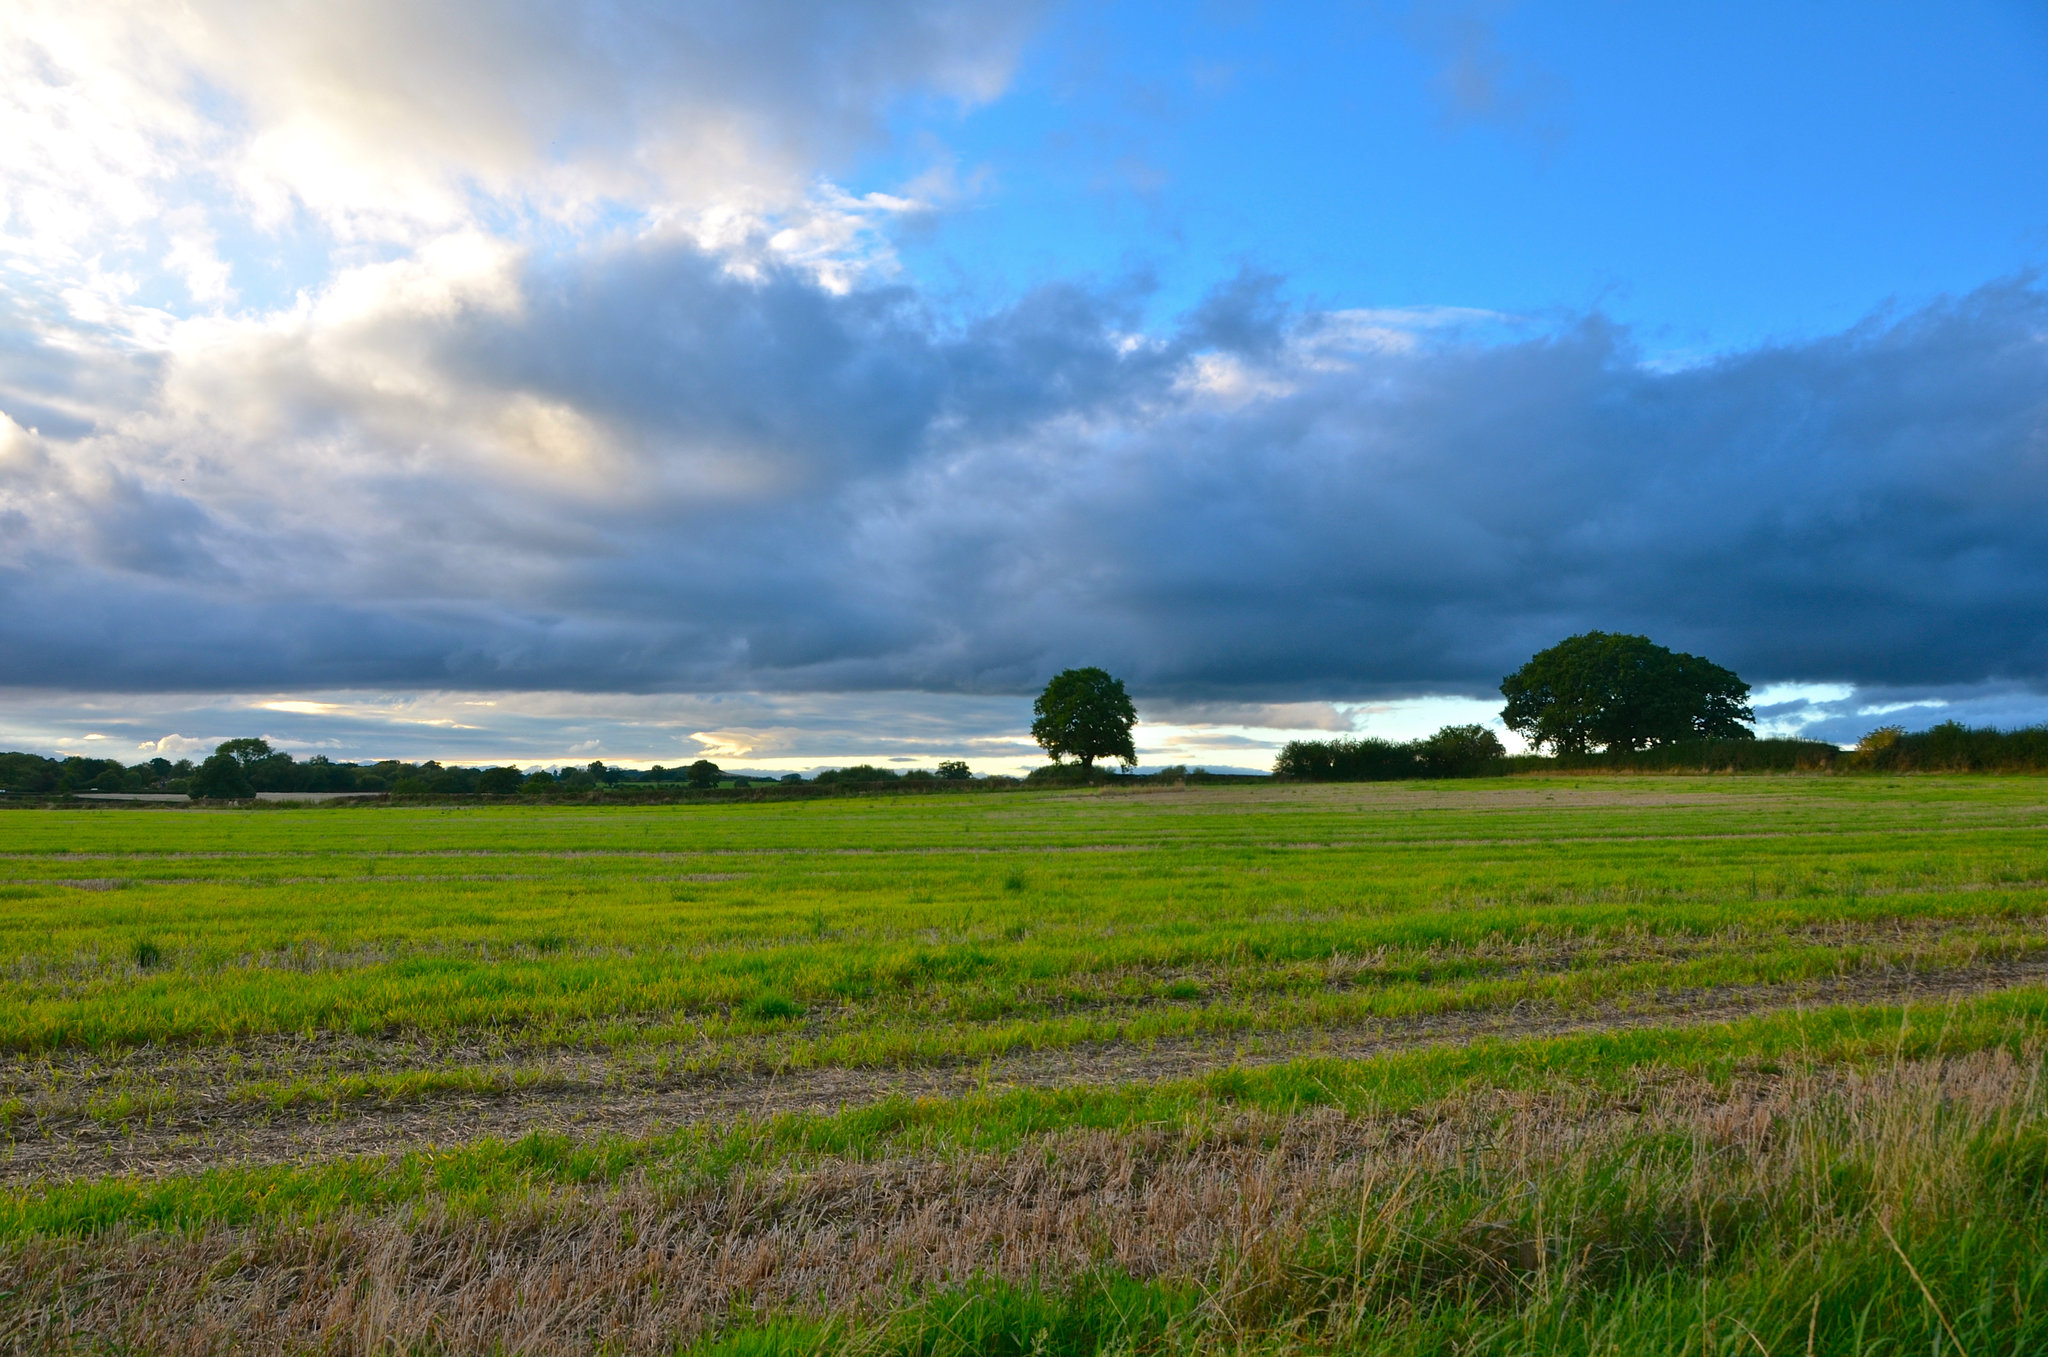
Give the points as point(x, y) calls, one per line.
point(798, 384)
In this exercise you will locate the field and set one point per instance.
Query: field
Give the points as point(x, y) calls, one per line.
point(1652, 1064)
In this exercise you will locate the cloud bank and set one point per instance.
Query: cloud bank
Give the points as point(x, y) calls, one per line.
point(590, 385)
point(637, 470)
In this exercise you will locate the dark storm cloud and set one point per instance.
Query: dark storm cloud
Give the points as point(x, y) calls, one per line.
point(1865, 507)
point(648, 473)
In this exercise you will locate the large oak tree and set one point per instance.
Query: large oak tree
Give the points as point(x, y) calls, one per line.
point(1085, 714)
point(1622, 692)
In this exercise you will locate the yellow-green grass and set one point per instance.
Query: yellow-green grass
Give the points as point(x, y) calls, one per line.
point(1845, 1181)
point(1869, 1174)
point(489, 1174)
point(907, 929)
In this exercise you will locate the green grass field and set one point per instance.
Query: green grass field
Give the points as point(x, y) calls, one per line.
point(1663, 1064)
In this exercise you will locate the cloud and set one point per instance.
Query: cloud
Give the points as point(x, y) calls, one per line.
point(1845, 716)
point(763, 730)
point(581, 374)
point(632, 468)
point(176, 746)
point(1479, 79)
point(383, 112)
point(1262, 715)
point(157, 161)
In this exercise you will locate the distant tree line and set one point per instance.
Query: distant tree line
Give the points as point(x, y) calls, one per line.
point(1606, 701)
point(1947, 748)
point(240, 768)
point(1951, 747)
point(1691, 756)
point(861, 774)
point(1595, 701)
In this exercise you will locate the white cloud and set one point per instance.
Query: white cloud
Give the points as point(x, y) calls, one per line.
point(135, 139)
point(724, 744)
point(1893, 708)
point(179, 746)
point(1771, 694)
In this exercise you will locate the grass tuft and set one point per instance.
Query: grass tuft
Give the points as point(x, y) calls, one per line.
point(774, 1007)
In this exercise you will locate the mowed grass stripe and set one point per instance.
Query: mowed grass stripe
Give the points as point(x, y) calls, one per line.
point(489, 1175)
point(1232, 817)
point(530, 978)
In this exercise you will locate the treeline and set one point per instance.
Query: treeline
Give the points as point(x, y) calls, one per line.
point(267, 771)
point(241, 768)
point(34, 775)
point(867, 774)
point(1454, 751)
point(1691, 756)
point(1952, 747)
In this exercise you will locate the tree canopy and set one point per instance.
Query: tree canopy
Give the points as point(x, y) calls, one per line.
point(1086, 715)
point(222, 777)
point(1622, 692)
point(247, 751)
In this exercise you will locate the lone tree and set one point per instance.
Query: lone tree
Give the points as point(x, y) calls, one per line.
point(1622, 692)
point(1085, 714)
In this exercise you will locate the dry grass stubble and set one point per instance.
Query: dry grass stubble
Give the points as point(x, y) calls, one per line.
point(637, 1267)
point(584, 1096)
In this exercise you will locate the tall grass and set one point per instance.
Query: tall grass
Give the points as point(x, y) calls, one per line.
point(1889, 1203)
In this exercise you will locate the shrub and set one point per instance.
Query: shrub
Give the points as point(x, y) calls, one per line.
point(1953, 747)
point(859, 773)
point(1065, 775)
point(1454, 751)
point(1346, 759)
point(1694, 756)
point(1462, 751)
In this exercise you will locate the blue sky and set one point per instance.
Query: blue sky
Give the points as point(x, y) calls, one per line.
point(1714, 176)
point(539, 381)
